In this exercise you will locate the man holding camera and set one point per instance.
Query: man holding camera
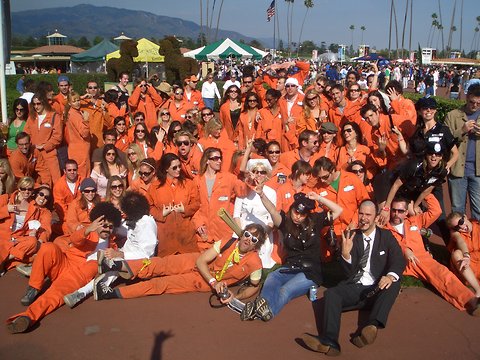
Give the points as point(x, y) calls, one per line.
point(464, 123)
point(145, 99)
point(215, 269)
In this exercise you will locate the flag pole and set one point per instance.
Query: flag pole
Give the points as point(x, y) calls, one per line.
point(274, 31)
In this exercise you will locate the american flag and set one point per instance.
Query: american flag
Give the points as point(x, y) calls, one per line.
point(271, 10)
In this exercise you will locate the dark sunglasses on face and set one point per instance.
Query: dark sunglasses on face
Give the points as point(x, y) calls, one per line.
point(460, 223)
point(320, 85)
point(107, 226)
point(188, 117)
point(184, 142)
point(325, 177)
point(400, 211)
point(165, 113)
point(249, 235)
point(138, 119)
point(348, 130)
point(215, 158)
point(312, 98)
point(131, 154)
point(139, 131)
point(42, 194)
point(261, 172)
point(26, 189)
point(271, 152)
point(176, 167)
point(207, 114)
point(354, 90)
point(71, 170)
point(290, 85)
point(89, 191)
point(93, 87)
point(252, 100)
point(20, 109)
point(358, 171)
point(144, 173)
point(115, 187)
point(179, 93)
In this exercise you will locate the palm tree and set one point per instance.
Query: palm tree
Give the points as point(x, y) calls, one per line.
point(475, 40)
point(441, 22)
point(352, 28)
point(218, 19)
point(289, 40)
point(450, 34)
point(404, 26)
point(308, 5)
point(431, 35)
point(201, 19)
point(363, 28)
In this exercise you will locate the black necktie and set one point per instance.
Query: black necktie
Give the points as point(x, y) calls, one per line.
point(363, 261)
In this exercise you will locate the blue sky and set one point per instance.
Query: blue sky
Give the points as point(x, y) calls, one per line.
point(328, 20)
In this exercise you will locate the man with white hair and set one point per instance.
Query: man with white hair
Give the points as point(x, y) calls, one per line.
point(291, 104)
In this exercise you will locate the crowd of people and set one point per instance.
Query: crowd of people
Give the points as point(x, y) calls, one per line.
point(286, 180)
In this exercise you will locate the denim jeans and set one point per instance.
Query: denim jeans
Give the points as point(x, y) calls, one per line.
point(459, 187)
point(209, 102)
point(280, 288)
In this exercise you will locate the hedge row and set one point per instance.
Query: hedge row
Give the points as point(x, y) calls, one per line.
point(443, 105)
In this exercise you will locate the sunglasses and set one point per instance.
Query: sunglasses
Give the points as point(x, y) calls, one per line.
point(93, 87)
point(290, 85)
point(252, 100)
point(144, 173)
point(325, 177)
point(138, 119)
point(400, 211)
point(460, 223)
point(110, 154)
point(20, 109)
point(71, 170)
point(247, 82)
point(176, 167)
point(143, 85)
point(215, 158)
point(271, 152)
point(26, 189)
point(354, 90)
point(131, 153)
point(261, 172)
point(349, 130)
point(188, 117)
point(207, 114)
point(320, 85)
point(139, 131)
point(42, 194)
point(312, 98)
point(249, 235)
point(179, 93)
point(233, 91)
point(164, 113)
point(107, 226)
point(359, 171)
point(115, 187)
point(89, 191)
point(185, 142)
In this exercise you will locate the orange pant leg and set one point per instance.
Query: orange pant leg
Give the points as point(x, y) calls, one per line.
point(442, 279)
point(174, 284)
point(63, 242)
point(168, 265)
point(22, 249)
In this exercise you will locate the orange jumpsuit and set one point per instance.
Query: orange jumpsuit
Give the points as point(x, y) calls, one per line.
point(290, 157)
point(271, 127)
point(405, 108)
point(245, 129)
point(50, 135)
point(176, 274)
point(68, 271)
point(176, 231)
point(349, 195)
point(280, 171)
point(98, 119)
point(361, 153)
point(177, 112)
point(226, 120)
point(427, 268)
point(59, 102)
point(18, 243)
point(139, 185)
point(223, 143)
point(195, 99)
point(332, 152)
point(22, 165)
point(285, 194)
point(191, 165)
point(146, 103)
point(122, 143)
point(76, 216)
point(225, 188)
point(113, 111)
point(63, 196)
point(473, 244)
point(79, 141)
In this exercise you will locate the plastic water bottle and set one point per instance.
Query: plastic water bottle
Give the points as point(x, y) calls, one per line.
point(312, 294)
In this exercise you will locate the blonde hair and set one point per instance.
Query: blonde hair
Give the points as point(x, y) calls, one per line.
point(24, 182)
point(71, 95)
point(212, 125)
point(9, 183)
point(140, 156)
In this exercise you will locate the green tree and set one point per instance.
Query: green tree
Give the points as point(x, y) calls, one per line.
point(30, 42)
point(363, 28)
point(307, 47)
point(308, 5)
point(323, 47)
point(97, 40)
point(255, 43)
point(333, 47)
point(72, 42)
point(84, 43)
point(352, 29)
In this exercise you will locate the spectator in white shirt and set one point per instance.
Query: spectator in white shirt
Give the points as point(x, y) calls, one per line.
point(209, 91)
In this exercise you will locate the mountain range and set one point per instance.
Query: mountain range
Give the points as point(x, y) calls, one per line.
point(91, 21)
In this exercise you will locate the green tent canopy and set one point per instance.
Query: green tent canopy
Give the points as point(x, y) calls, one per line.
point(96, 53)
point(224, 48)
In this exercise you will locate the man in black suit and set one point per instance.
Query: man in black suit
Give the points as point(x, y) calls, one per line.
point(373, 262)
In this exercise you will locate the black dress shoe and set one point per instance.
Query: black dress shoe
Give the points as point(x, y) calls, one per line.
point(29, 296)
point(19, 325)
point(367, 336)
point(322, 346)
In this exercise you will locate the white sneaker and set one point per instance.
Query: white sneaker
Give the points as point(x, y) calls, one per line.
point(24, 269)
point(74, 298)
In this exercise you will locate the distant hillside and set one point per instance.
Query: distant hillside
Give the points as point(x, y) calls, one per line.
point(107, 22)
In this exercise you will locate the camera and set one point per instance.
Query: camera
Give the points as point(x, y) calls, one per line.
point(224, 293)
